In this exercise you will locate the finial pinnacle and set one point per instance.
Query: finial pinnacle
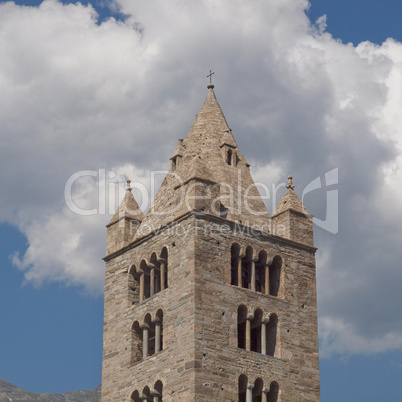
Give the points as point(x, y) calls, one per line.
point(210, 86)
point(128, 185)
point(290, 183)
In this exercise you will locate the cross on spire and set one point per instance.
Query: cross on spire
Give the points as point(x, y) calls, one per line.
point(210, 76)
point(290, 183)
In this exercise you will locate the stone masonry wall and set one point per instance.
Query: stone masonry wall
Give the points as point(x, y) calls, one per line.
point(200, 360)
point(171, 365)
point(295, 368)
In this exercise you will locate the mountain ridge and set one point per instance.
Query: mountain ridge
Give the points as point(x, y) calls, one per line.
point(11, 393)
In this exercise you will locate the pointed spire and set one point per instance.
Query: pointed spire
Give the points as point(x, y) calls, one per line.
point(290, 201)
point(208, 128)
point(291, 218)
point(208, 154)
point(128, 208)
point(125, 222)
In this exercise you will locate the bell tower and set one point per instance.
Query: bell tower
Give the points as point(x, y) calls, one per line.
point(207, 296)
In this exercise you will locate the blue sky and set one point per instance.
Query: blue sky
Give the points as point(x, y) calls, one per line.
point(51, 332)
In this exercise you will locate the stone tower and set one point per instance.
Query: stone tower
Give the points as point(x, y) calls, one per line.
point(207, 296)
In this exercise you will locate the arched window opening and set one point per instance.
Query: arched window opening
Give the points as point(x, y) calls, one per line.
point(272, 395)
point(243, 380)
point(271, 333)
point(256, 331)
point(235, 260)
point(135, 397)
point(260, 267)
point(154, 275)
point(146, 395)
point(229, 157)
point(147, 337)
point(136, 343)
point(241, 326)
point(258, 390)
point(157, 392)
point(150, 328)
point(246, 268)
point(275, 275)
point(245, 273)
point(164, 269)
point(133, 285)
point(144, 281)
point(157, 279)
point(159, 331)
point(147, 284)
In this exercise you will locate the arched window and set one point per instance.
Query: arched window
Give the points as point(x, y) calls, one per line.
point(272, 395)
point(154, 395)
point(275, 275)
point(145, 286)
point(135, 397)
point(154, 275)
point(229, 157)
point(246, 268)
point(157, 393)
point(148, 336)
point(151, 278)
point(258, 390)
point(146, 395)
point(158, 323)
point(243, 380)
point(164, 269)
point(241, 326)
point(256, 331)
point(136, 342)
point(260, 272)
point(271, 331)
point(133, 285)
point(235, 264)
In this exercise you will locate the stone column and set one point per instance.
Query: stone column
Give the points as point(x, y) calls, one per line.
point(145, 337)
point(264, 395)
point(152, 279)
point(266, 279)
point(252, 284)
point(142, 279)
point(155, 396)
point(144, 398)
point(239, 276)
point(248, 332)
point(157, 335)
point(249, 393)
point(163, 270)
point(264, 336)
point(158, 281)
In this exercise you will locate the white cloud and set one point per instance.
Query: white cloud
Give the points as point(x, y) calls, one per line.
point(64, 247)
point(338, 336)
point(79, 95)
